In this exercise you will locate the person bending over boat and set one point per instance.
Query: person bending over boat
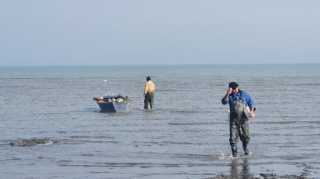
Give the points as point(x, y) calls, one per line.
point(239, 101)
point(149, 93)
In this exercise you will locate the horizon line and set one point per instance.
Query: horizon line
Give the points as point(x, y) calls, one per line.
point(227, 64)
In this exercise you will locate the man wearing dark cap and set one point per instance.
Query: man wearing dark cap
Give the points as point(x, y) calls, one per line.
point(238, 101)
point(149, 93)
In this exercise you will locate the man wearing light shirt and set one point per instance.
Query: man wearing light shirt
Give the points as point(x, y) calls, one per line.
point(149, 93)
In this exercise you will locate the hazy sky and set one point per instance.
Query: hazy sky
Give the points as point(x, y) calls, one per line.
point(127, 32)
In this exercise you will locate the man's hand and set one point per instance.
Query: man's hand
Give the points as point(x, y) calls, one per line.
point(229, 90)
point(251, 114)
point(225, 98)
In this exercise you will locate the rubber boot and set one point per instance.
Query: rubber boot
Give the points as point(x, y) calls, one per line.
point(234, 150)
point(245, 149)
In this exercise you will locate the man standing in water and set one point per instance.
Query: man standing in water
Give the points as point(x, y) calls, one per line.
point(149, 93)
point(239, 126)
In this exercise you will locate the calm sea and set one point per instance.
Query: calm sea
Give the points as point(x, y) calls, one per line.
point(185, 136)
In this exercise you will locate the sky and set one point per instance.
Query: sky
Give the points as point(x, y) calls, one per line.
point(144, 32)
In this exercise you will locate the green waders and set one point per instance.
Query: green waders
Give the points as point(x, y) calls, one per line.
point(149, 99)
point(239, 127)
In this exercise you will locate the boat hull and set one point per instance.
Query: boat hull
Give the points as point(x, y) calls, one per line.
point(115, 107)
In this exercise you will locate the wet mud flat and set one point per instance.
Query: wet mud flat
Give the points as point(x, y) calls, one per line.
point(147, 165)
point(262, 176)
point(309, 172)
point(29, 142)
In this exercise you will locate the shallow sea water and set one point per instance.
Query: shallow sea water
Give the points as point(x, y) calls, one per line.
point(185, 136)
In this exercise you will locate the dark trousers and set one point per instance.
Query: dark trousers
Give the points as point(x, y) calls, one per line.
point(239, 128)
point(149, 99)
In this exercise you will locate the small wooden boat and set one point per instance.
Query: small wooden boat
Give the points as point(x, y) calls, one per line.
point(113, 103)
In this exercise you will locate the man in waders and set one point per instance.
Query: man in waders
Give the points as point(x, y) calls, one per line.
point(149, 93)
point(239, 126)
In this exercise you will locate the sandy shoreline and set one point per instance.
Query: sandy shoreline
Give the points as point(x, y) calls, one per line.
point(262, 175)
point(240, 167)
point(309, 172)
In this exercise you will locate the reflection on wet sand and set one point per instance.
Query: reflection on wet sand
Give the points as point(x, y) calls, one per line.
point(245, 169)
point(240, 168)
